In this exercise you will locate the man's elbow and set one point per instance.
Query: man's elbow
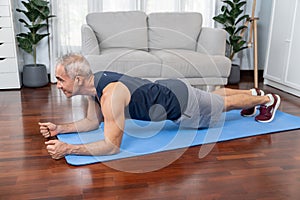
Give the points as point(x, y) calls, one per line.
point(114, 150)
point(94, 125)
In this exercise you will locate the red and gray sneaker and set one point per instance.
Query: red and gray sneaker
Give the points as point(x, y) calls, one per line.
point(249, 112)
point(267, 113)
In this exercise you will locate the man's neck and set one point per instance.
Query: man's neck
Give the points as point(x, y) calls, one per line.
point(89, 87)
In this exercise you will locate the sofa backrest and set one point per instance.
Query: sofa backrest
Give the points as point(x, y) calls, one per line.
point(120, 29)
point(174, 30)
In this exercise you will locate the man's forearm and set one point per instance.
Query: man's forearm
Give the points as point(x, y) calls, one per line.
point(66, 128)
point(78, 126)
point(96, 148)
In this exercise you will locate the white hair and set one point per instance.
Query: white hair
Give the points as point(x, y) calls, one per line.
point(75, 64)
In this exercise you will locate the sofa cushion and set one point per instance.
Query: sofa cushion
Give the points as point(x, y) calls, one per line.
point(190, 64)
point(120, 29)
point(132, 62)
point(174, 30)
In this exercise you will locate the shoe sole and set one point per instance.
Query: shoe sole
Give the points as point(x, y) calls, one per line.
point(275, 109)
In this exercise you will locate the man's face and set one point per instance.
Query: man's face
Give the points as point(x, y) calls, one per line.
point(64, 82)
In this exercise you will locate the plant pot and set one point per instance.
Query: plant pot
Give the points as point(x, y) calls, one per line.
point(234, 76)
point(35, 75)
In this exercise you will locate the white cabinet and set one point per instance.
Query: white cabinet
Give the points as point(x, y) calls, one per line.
point(9, 67)
point(283, 59)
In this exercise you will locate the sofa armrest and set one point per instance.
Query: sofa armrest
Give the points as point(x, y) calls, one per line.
point(212, 41)
point(89, 42)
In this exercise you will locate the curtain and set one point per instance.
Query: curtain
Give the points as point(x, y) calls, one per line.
point(70, 15)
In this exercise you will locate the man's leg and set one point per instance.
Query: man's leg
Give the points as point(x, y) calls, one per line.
point(230, 92)
point(246, 112)
point(248, 99)
point(244, 101)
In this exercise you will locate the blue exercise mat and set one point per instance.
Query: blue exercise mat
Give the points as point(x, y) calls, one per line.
point(141, 138)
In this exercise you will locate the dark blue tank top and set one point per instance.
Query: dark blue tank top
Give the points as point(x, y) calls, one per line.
point(150, 101)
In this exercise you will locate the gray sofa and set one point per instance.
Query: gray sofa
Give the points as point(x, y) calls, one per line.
point(156, 46)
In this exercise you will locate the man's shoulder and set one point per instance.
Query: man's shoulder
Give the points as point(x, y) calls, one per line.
point(116, 92)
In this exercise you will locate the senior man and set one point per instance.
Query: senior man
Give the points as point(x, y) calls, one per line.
point(112, 98)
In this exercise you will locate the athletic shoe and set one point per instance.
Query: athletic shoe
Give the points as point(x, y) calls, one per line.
point(267, 113)
point(252, 111)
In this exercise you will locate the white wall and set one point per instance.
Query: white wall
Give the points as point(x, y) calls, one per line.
point(263, 12)
point(263, 31)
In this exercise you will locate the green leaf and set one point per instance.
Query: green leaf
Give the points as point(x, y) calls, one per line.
point(40, 3)
point(235, 38)
point(35, 28)
point(245, 47)
point(231, 20)
point(26, 5)
point(241, 4)
point(51, 16)
point(24, 35)
point(242, 18)
point(39, 37)
point(24, 22)
point(22, 11)
point(238, 46)
point(240, 29)
point(220, 19)
point(236, 12)
point(229, 3)
point(25, 44)
point(230, 30)
point(19, 10)
point(44, 13)
point(224, 8)
point(33, 15)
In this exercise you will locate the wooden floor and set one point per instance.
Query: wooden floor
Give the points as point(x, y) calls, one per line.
point(262, 167)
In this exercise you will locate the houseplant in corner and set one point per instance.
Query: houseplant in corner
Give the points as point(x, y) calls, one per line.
point(232, 17)
point(36, 15)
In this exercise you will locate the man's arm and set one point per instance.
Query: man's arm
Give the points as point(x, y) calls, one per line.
point(91, 122)
point(113, 102)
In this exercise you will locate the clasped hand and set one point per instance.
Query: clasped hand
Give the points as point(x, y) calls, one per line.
point(48, 129)
point(56, 148)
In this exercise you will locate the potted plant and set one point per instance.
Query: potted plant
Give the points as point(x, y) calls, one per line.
point(36, 15)
point(231, 17)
